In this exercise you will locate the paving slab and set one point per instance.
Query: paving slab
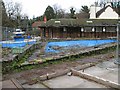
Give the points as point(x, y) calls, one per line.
point(71, 82)
point(8, 84)
point(106, 70)
point(38, 85)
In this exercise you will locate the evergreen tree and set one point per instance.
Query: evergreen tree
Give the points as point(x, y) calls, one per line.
point(72, 13)
point(49, 13)
point(85, 9)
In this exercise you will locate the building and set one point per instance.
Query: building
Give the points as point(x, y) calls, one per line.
point(101, 24)
point(36, 24)
point(107, 12)
point(78, 28)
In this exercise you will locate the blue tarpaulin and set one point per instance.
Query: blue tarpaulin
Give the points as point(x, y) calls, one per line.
point(80, 43)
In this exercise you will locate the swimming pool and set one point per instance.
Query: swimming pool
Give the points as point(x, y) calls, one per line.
point(14, 44)
point(55, 46)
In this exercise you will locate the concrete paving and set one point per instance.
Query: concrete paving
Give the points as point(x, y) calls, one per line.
point(8, 84)
point(12, 83)
point(71, 82)
point(107, 70)
point(38, 85)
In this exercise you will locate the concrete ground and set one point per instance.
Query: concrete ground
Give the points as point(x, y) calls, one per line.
point(38, 85)
point(71, 82)
point(107, 70)
point(8, 84)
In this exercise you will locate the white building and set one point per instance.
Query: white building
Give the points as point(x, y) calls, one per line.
point(97, 12)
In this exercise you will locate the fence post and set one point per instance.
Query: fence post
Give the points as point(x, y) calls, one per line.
point(6, 33)
point(117, 61)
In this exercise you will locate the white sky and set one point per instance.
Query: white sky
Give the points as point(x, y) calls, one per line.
point(37, 7)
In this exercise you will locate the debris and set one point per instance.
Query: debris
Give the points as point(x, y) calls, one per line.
point(69, 74)
point(31, 82)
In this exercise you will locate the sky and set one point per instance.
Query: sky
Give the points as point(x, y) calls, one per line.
point(37, 7)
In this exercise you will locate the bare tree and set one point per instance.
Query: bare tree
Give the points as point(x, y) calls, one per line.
point(56, 8)
point(10, 9)
point(18, 10)
point(13, 11)
point(59, 12)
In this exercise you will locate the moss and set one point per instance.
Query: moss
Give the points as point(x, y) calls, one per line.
point(78, 22)
point(15, 65)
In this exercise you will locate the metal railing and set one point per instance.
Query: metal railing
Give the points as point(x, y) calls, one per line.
point(7, 33)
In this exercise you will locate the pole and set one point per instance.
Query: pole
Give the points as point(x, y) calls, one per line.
point(117, 61)
point(6, 33)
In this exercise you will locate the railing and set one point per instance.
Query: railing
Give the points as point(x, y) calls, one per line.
point(7, 33)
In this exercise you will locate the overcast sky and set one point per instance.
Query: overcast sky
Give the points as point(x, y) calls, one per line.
point(37, 7)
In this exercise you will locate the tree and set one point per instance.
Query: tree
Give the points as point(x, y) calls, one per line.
point(49, 13)
point(24, 22)
point(72, 12)
point(13, 11)
point(84, 13)
point(41, 18)
point(4, 15)
point(12, 16)
point(56, 8)
point(59, 12)
point(6, 21)
point(85, 9)
point(18, 10)
point(10, 9)
point(116, 6)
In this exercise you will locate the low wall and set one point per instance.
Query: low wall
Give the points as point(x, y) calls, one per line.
point(64, 72)
point(17, 59)
point(27, 49)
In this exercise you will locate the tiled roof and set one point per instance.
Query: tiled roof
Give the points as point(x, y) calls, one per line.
point(36, 24)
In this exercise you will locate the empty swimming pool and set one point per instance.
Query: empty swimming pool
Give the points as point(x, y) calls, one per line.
point(56, 46)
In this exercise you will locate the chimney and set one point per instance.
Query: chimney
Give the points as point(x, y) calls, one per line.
point(92, 12)
point(45, 19)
